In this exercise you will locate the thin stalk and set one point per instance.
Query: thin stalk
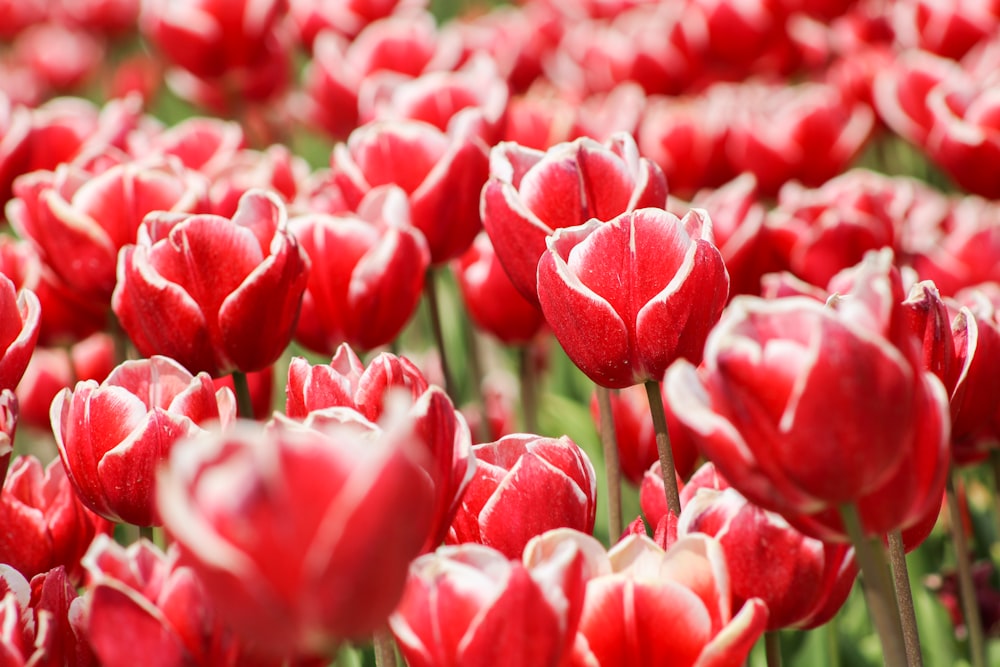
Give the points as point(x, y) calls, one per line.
point(663, 446)
point(528, 378)
point(877, 585)
point(904, 598)
point(385, 649)
point(475, 358)
point(966, 587)
point(244, 403)
point(430, 293)
point(146, 532)
point(772, 648)
point(612, 468)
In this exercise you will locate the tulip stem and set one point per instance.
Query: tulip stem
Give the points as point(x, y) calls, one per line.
point(612, 467)
point(385, 649)
point(878, 588)
point(146, 532)
point(529, 388)
point(966, 587)
point(772, 648)
point(484, 432)
point(995, 466)
point(244, 404)
point(663, 446)
point(430, 293)
point(904, 598)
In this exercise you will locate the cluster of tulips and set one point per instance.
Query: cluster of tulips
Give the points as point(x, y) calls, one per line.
point(254, 411)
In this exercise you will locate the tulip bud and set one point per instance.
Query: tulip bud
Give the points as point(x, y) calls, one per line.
point(214, 294)
point(628, 297)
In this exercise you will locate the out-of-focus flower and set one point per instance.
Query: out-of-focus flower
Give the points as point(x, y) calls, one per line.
point(296, 532)
point(45, 524)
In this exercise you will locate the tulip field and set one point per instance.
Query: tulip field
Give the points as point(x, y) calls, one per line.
point(548, 333)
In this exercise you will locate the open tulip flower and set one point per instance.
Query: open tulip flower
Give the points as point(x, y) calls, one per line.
point(627, 297)
point(636, 590)
point(112, 436)
point(216, 295)
point(760, 408)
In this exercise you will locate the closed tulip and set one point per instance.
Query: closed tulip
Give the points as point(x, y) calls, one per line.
point(302, 537)
point(471, 606)
point(532, 193)
point(441, 173)
point(113, 436)
point(627, 297)
point(216, 295)
point(525, 485)
point(367, 273)
point(8, 426)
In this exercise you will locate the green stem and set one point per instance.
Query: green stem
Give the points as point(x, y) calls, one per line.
point(484, 433)
point(385, 649)
point(663, 446)
point(528, 378)
point(146, 532)
point(430, 293)
point(772, 648)
point(877, 585)
point(612, 468)
point(995, 467)
point(244, 403)
point(966, 587)
point(904, 598)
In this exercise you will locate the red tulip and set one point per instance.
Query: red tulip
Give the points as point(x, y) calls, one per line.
point(494, 304)
point(327, 554)
point(469, 606)
point(628, 297)
point(347, 17)
point(113, 436)
point(807, 133)
point(950, 29)
point(38, 627)
point(238, 47)
point(345, 382)
point(275, 168)
point(45, 524)
point(8, 426)
point(441, 173)
point(159, 605)
point(214, 294)
point(523, 486)
point(773, 373)
point(635, 590)
point(531, 194)
point(19, 321)
point(367, 273)
point(208, 145)
point(803, 581)
point(80, 220)
point(53, 369)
